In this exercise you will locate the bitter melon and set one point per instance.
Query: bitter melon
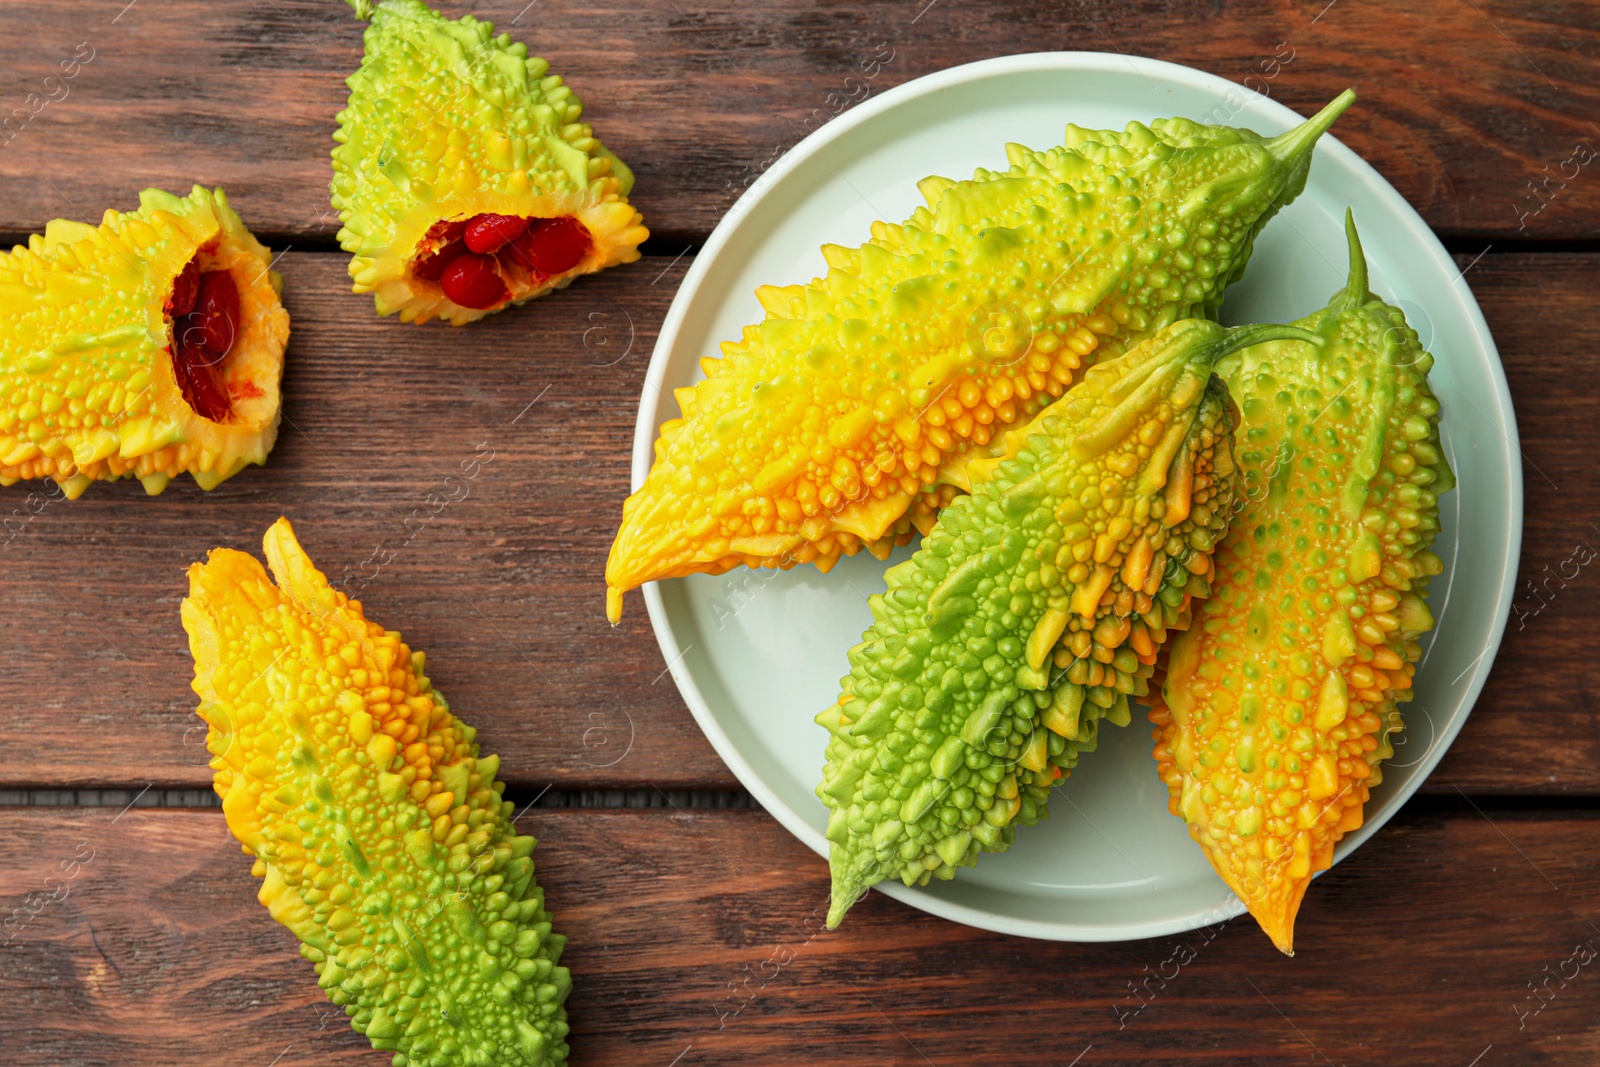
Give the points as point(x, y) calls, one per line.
point(1085, 539)
point(1278, 702)
point(147, 346)
point(846, 416)
point(378, 830)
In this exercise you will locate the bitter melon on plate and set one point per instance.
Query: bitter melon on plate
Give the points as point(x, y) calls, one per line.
point(1279, 701)
point(847, 415)
point(957, 718)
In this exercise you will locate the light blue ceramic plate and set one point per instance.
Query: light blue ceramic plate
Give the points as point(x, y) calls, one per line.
point(756, 654)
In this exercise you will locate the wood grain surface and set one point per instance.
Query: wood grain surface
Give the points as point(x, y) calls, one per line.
point(502, 588)
point(1463, 934)
point(1475, 111)
point(696, 941)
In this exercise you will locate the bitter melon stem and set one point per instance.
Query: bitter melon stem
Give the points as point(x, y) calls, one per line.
point(1292, 145)
point(1356, 292)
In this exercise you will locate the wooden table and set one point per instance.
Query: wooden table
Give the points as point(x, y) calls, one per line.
point(1459, 935)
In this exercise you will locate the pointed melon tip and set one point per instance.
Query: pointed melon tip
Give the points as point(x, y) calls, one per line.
point(1276, 914)
point(847, 889)
point(1278, 925)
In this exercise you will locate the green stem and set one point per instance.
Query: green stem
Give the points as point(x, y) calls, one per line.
point(1180, 353)
point(1255, 334)
point(1290, 146)
point(1355, 290)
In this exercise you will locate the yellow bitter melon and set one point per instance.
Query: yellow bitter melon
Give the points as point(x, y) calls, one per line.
point(1278, 702)
point(955, 720)
point(109, 369)
point(377, 828)
point(844, 418)
point(463, 177)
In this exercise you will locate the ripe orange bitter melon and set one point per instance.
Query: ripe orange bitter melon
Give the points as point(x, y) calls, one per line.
point(1278, 702)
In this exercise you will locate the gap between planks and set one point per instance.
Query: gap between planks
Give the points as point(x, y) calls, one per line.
point(1422, 805)
point(151, 797)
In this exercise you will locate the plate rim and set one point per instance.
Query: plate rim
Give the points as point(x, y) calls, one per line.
point(646, 428)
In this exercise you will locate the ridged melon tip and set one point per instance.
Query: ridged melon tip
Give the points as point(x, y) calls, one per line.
point(846, 890)
point(1276, 916)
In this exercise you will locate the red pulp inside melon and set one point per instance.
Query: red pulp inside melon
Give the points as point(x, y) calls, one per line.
point(476, 261)
point(204, 310)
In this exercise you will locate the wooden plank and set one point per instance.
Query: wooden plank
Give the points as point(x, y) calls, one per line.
point(699, 938)
point(1532, 730)
point(1462, 106)
point(503, 587)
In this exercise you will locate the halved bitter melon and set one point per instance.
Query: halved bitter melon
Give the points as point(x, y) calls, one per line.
point(464, 181)
point(147, 346)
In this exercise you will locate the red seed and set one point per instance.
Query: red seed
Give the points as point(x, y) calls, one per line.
point(185, 288)
point(553, 246)
point(472, 281)
point(432, 266)
point(197, 371)
point(489, 232)
point(216, 311)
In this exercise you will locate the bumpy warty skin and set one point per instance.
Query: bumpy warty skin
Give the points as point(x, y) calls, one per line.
point(1278, 702)
point(1079, 547)
point(377, 827)
point(87, 386)
point(848, 414)
point(447, 120)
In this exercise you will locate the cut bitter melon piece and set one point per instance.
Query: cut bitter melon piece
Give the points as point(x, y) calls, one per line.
point(147, 346)
point(464, 181)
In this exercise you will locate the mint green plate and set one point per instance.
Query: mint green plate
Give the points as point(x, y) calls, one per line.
point(756, 654)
